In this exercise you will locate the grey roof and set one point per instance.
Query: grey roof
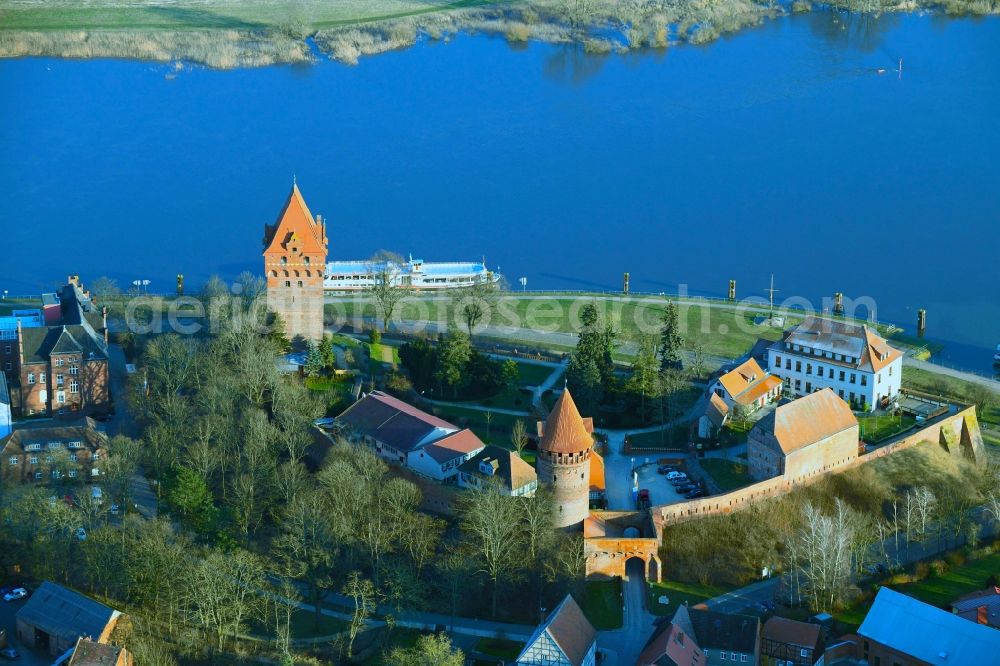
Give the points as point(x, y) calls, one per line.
point(394, 422)
point(927, 633)
point(724, 631)
point(91, 653)
point(61, 612)
point(39, 343)
point(82, 430)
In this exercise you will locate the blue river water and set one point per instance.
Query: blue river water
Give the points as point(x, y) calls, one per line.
point(779, 150)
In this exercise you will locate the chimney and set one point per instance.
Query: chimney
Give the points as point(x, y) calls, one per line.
point(20, 346)
point(982, 615)
point(104, 323)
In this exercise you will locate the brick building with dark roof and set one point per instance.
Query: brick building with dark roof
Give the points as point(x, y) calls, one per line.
point(791, 643)
point(45, 450)
point(62, 369)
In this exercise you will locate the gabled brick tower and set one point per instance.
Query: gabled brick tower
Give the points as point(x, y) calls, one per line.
point(563, 463)
point(294, 262)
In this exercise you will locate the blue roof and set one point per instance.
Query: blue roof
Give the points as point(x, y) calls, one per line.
point(28, 318)
point(927, 633)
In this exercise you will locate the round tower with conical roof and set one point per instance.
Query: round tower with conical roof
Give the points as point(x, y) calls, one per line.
point(563, 463)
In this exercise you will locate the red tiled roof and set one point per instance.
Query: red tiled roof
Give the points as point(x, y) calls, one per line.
point(455, 445)
point(295, 225)
point(565, 431)
point(791, 632)
point(809, 419)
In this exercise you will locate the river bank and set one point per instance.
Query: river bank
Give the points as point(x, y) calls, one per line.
point(227, 34)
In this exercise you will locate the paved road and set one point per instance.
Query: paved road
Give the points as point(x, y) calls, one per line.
point(624, 645)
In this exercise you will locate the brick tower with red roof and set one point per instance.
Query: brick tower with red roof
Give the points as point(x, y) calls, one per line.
point(295, 248)
point(564, 459)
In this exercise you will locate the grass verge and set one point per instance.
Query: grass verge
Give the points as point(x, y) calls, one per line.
point(678, 593)
point(602, 603)
point(728, 474)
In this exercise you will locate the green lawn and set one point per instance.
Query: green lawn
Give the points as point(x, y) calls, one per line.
point(345, 341)
point(304, 625)
point(498, 647)
point(942, 590)
point(937, 384)
point(532, 374)
point(728, 474)
point(875, 428)
point(602, 603)
point(721, 331)
point(201, 14)
point(938, 591)
point(499, 427)
point(10, 304)
point(678, 593)
point(674, 438)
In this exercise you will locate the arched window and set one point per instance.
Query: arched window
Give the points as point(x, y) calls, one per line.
point(274, 273)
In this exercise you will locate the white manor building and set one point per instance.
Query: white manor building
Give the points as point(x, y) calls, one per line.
point(851, 359)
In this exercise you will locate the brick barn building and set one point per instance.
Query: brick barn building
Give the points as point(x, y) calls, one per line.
point(295, 248)
point(812, 435)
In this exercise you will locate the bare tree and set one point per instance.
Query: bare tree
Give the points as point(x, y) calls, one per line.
point(365, 597)
point(474, 303)
point(385, 290)
point(492, 523)
point(822, 554)
point(519, 437)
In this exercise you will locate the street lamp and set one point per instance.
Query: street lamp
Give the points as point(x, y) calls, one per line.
point(524, 283)
point(5, 294)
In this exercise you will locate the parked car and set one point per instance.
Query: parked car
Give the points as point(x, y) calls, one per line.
point(686, 488)
point(666, 469)
point(15, 594)
point(114, 509)
point(676, 475)
point(81, 533)
point(643, 500)
point(10, 653)
point(679, 480)
point(697, 492)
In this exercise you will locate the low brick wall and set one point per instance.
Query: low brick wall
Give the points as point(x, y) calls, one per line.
point(958, 434)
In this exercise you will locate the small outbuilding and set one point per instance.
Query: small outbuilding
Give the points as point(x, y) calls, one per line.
point(55, 618)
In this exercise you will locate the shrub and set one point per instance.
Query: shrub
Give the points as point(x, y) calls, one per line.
point(374, 336)
point(955, 558)
point(920, 571)
point(939, 567)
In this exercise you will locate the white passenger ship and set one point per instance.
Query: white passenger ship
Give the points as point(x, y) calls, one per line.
point(414, 274)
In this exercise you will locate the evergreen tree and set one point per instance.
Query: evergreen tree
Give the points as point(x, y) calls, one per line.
point(670, 339)
point(314, 359)
point(326, 352)
point(276, 332)
point(454, 353)
point(596, 344)
point(583, 379)
point(644, 380)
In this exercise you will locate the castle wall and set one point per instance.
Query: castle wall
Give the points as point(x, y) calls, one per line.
point(606, 558)
point(958, 434)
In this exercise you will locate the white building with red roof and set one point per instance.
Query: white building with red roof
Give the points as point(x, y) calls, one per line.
point(404, 435)
point(853, 360)
point(748, 386)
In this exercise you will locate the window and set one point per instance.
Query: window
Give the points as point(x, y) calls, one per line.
point(777, 361)
point(60, 379)
point(41, 377)
point(6, 349)
point(788, 364)
point(14, 460)
point(743, 658)
point(288, 283)
point(841, 394)
point(300, 283)
point(798, 366)
point(854, 378)
point(284, 261)
point(33, 460)
point(809, 387)
point(890, 371)
point(96, 456)
point(8, 366)
point(307, 261)
point(831, 373)
point(74, 387)
point(809, 368)
point(72, 457)
point(72, 474)
point(74, 369)
point(75, 445)
point(31, 378)
point(38, 476)
point(864, 380)
point(33, 447)
point(61, 397)
point(798, 384)
point(722, 655)
point(95, 472)
point(803, 652)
